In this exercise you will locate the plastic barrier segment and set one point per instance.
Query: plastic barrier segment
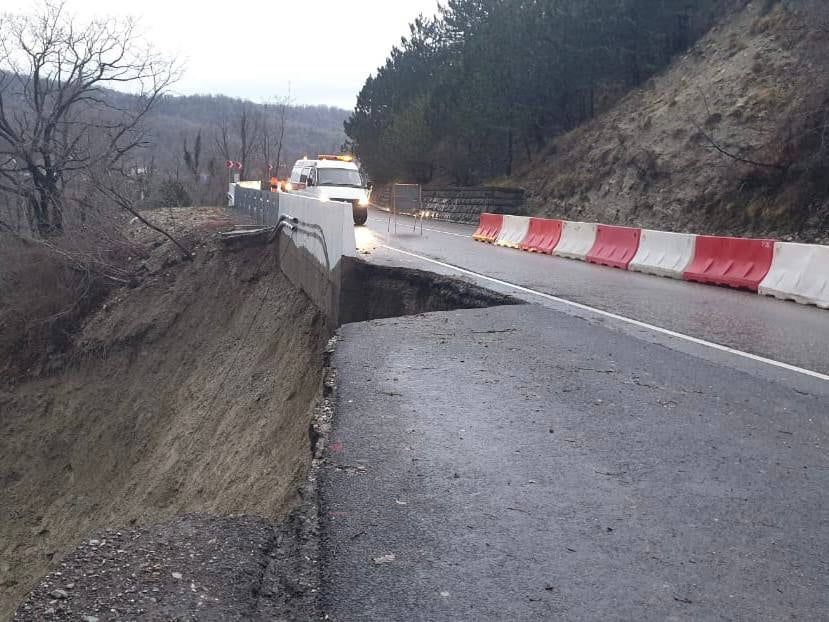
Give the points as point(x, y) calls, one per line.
point(513, 231)
point(488, 228)
point(734, 262)
point(542, 236)
point(614, 246)
point(577, 238)
point(663, 253)
point(799, 272)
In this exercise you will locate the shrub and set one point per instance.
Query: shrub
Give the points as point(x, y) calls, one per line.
point(171, 193)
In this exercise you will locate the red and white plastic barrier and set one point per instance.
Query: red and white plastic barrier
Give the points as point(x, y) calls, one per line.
point(664, 253)
point(577, 238)
point(799, 272)
point(542, 236)
point(615, 246)
point(513, 231)
point(489, 227)
point(741, 263)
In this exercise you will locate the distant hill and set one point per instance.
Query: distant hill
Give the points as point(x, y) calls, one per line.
point(176, 120)
point(309, 129)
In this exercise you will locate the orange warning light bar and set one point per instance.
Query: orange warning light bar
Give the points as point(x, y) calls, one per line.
point(338, 158)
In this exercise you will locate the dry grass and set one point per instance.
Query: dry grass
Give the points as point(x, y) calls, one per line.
point(654, 147)
point(774, 18)
point(42, 299)
point(47, 287)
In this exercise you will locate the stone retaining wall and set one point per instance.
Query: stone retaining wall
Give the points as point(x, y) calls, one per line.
point(463, 205)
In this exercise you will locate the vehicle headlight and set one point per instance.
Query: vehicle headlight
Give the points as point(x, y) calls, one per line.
point(363, 202)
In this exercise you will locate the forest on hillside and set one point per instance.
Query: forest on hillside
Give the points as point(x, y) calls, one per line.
point(191, 138)
point(486, 83)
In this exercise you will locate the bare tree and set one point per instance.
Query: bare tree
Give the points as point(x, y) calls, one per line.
point(274, 118)
point(192, 159)
point(237, 136)
point(62, 119)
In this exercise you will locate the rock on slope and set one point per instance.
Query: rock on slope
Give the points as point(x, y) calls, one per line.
point(757, 87)
point(195, 567)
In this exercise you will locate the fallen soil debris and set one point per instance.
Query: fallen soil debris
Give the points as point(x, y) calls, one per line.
point(194, 567)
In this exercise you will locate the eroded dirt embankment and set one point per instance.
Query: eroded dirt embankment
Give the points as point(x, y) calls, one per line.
point(132, 464)
point(189, 393)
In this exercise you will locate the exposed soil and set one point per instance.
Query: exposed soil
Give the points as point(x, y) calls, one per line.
point(757, 87)
point(189, 393)
point(177, 412)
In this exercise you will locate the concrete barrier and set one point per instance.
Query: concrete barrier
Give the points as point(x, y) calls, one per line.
point(489, 227)
point(513, 231)
point(461, 205)
point(577, 238)
point(799, 272)
point(741, 263)
point(614, 246)
point(326, 228)
point(315, 238)
point(663, 253)
point(543, 235)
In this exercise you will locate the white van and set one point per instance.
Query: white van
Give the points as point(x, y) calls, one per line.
point(332, 178)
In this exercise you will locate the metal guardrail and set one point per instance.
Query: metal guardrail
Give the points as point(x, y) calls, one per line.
point(263, 207)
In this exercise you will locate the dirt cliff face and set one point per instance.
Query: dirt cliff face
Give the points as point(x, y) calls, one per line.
point(731, 139)
point(189, 393)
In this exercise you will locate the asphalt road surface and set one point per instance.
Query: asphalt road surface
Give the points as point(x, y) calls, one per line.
point(519, 463)
point(553, 462)
point(779, 330)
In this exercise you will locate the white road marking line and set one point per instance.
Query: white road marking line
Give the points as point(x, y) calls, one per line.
point(460, 235)
point(621, 318)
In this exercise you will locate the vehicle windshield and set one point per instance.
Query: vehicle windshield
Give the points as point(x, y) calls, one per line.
point(339, 177)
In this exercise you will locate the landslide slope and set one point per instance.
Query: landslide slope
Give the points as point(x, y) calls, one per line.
point(732, 139)
point(189, 393)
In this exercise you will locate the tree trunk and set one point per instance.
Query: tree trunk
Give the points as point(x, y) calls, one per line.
point(509, 153)
point(592, 99)
point(45, 215)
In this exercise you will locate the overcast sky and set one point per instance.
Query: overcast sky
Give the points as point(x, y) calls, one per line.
point(254, 49)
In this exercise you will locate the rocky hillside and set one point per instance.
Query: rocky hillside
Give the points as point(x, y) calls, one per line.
point(733, 138)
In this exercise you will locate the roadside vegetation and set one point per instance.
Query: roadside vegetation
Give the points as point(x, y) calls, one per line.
point(709, 116)
point(91, 137)
point(487, 82)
